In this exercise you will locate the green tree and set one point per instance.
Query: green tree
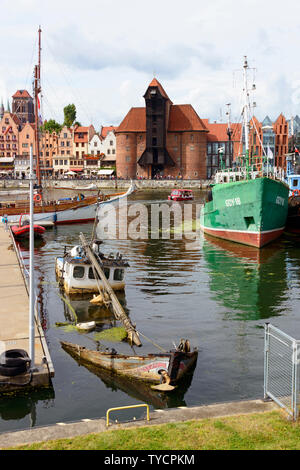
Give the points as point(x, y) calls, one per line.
point(70, 114)
point(52, 126)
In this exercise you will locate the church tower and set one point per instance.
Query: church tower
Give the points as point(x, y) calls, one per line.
point(1, 110)
point(23, 107)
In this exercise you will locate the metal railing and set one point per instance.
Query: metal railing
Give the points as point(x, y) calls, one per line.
point(125, 408)
point(281, 369)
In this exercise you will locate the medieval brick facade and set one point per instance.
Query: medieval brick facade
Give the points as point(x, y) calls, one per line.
point(161, 139)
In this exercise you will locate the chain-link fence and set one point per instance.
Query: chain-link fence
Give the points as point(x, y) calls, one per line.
point(281, 381)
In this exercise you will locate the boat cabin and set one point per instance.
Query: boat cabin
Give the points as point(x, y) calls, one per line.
point(294, 184)
point(77, 274)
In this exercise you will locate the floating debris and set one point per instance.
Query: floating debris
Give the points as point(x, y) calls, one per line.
point(116, 334)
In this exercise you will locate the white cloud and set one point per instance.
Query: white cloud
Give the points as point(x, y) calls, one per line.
point(101, 56)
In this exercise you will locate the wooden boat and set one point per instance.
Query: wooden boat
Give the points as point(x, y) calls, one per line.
point(117, 196)
point(23, 229)
point(140, 390)
point(175, 363)
point(74, 210)
point(78, 209)
point(181, 195)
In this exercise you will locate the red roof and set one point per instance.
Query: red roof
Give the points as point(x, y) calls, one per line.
point(134, 121)
point(182, 117)
point(155, 83)
point(105, 130)
point(218, 131)
point(81, 129)
point(21, 94)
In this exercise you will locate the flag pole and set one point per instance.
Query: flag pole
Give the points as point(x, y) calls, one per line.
point(31, 267)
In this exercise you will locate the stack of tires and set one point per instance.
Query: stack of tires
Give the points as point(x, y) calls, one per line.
point(14, 362)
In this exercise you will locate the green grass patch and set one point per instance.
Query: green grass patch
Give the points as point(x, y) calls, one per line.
point(264, 431)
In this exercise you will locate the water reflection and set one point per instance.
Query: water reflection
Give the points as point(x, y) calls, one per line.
point(17, 407)
point(141, 390)
point(251, 284)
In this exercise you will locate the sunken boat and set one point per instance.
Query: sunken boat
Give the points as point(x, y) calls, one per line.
point(170, 366)
point(77, 274)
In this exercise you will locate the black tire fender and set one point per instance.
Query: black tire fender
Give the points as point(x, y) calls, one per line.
point(14, 358)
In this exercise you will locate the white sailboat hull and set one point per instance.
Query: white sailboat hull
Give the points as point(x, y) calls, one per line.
point(67, 216)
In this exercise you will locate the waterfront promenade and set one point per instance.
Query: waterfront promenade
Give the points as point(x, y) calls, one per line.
point(14, 320)
point(142, 184)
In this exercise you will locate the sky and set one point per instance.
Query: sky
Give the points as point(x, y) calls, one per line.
point(102, 55)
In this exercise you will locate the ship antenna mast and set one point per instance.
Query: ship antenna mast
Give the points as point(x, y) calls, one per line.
point(246, 107)
point(37, 90)
point(229, 132)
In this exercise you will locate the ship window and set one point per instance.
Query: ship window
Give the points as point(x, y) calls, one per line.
point(249, 221)
point(118, 274)
point(295, 183)
point(78, 272)
point(106, 273)
point(91, 274)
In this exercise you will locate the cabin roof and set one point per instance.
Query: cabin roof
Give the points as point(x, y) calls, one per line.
point(107, 262)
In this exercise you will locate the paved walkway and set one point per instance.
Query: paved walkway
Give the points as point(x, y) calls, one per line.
point(171, 415)
point(14, 314)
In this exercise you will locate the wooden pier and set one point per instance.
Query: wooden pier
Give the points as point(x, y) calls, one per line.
point(14, 320)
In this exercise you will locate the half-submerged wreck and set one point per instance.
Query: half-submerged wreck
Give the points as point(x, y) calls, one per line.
point(168, 367)
point(77, 274)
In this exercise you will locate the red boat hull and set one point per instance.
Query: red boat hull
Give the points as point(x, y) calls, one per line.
point(179, 198)
point(257, 239)
point(23, 231)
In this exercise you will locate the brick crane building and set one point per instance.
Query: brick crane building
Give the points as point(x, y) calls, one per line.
point(161, 139)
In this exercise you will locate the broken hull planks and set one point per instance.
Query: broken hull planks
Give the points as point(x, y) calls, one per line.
point(144, 368)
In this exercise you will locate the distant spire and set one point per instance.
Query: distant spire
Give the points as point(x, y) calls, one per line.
point(8, 106)
point(1, 109)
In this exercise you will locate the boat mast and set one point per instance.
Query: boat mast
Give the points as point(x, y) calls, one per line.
point(229, 133)
point(37, 90)
point(246, 110)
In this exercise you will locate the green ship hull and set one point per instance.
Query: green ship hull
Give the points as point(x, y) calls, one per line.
point(252, 212)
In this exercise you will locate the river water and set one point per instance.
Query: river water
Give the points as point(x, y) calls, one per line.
point(216, 294)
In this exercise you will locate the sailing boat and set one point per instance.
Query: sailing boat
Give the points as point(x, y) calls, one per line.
point(246, 205)
point(65, 211)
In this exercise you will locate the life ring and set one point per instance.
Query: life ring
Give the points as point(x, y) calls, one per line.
point(296, 192)
point(37, 198)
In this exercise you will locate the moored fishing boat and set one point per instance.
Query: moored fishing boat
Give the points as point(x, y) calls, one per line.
point(248, 204)
point(175, 363)
point(293, 181)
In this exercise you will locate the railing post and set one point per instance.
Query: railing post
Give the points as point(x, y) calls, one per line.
point(266, 360)
point(295, 381)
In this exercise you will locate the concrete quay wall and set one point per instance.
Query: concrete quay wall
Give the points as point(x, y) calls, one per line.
point(69, 430)
point(111, 184)
point(14, 321)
